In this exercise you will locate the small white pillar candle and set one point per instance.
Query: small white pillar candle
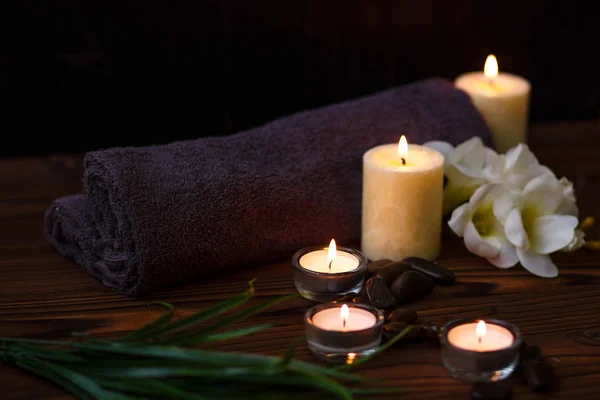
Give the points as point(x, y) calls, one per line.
point(344, 319)
point(402, 202)
point(329, 260)
point(503, 101)
point(481, 337)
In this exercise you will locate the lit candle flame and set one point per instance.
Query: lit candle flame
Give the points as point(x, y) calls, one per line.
point(480, 330)
point(331, 253)
point(351, 357)
point(403, 149)
point(490, 69)
point(344, 315)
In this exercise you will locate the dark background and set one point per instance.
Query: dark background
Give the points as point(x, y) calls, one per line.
point(76, 76)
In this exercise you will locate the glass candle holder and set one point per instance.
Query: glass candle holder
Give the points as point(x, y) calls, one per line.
point(487, 356)
point(332, 339)
point(317, 283)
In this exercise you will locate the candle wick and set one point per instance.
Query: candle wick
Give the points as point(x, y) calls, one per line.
point(479, 340)
point(403, 161)
point(492, 82)
point(330, 262)
point(344, 323)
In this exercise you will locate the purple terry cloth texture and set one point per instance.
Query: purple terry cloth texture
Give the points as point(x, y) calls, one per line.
point(154, 216)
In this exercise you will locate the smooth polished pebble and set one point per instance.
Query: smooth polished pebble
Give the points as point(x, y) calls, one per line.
point(491, 391)
point(411, 286)
point(406, 315)
point(393, 328)
point(374, 265)
point(391, 271)
point(439, 274)
point(529, 353)
point(540, 375)
point(379, 294)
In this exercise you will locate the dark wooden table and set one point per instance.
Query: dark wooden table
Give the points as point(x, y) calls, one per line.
point(43, 295)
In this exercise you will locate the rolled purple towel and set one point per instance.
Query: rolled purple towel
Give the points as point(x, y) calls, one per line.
point(153, 216)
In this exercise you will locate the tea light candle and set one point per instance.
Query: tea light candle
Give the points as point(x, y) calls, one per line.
point(480, 337)
point(329, 260)
point(325, 274)
point(503, 101)
point(343, 332)
point(340, 319)
point(480, 350)
point(402, 201)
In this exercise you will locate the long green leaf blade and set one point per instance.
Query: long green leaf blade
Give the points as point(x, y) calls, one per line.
point(196, 337)
point(205, 315)
point(387, 345)
point(85, 383)
point(147, 331)
point(40, 370)
point(235, 333)
point(150, 388)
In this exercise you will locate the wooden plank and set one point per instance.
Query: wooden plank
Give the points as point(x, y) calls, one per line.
point(43, 295)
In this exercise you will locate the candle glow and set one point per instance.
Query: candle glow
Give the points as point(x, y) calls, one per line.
point(480, 330)
point(331, 252)
point(403, 149)
point(490, 69)
point(403, 146)
point(344, 315)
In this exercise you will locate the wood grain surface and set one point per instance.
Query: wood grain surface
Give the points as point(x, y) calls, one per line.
point(43, 295)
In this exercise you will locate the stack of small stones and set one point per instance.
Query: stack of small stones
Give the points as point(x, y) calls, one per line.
point(393, 284)
point(534, 370)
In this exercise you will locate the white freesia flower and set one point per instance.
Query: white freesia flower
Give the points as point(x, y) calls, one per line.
point(515, 168)
point(533, 224)
point(464, 169)
point(483, 233)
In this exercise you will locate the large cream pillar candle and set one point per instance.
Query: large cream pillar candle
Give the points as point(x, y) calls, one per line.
point(503, 101)
point(402, 202)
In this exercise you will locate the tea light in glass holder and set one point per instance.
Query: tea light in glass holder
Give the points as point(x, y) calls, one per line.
point(480, 351)
point(325, 274)
point(343, 332)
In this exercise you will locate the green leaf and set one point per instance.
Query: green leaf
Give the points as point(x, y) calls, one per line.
point(147, 331)
point(205, 315)
point(82, 381)
point(42, 352)
point(196, 337)
point(235, 333)
point(289, 355)
point(215, 358)
point(377, 390)
point(390, 343)
point(150, 388)
point(37, 368)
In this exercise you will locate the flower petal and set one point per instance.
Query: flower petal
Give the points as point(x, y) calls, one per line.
point(459, 220)
point(485, 194)
point(514, 230)
point(494, 166)
point(552, 233)
point(569, 202)
point(478, 245)
point(520, 158)
point(544, 193)
point(537, 264)
point(507, 257)
point(443, 147)
point(505, 203)
point(469, 154)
